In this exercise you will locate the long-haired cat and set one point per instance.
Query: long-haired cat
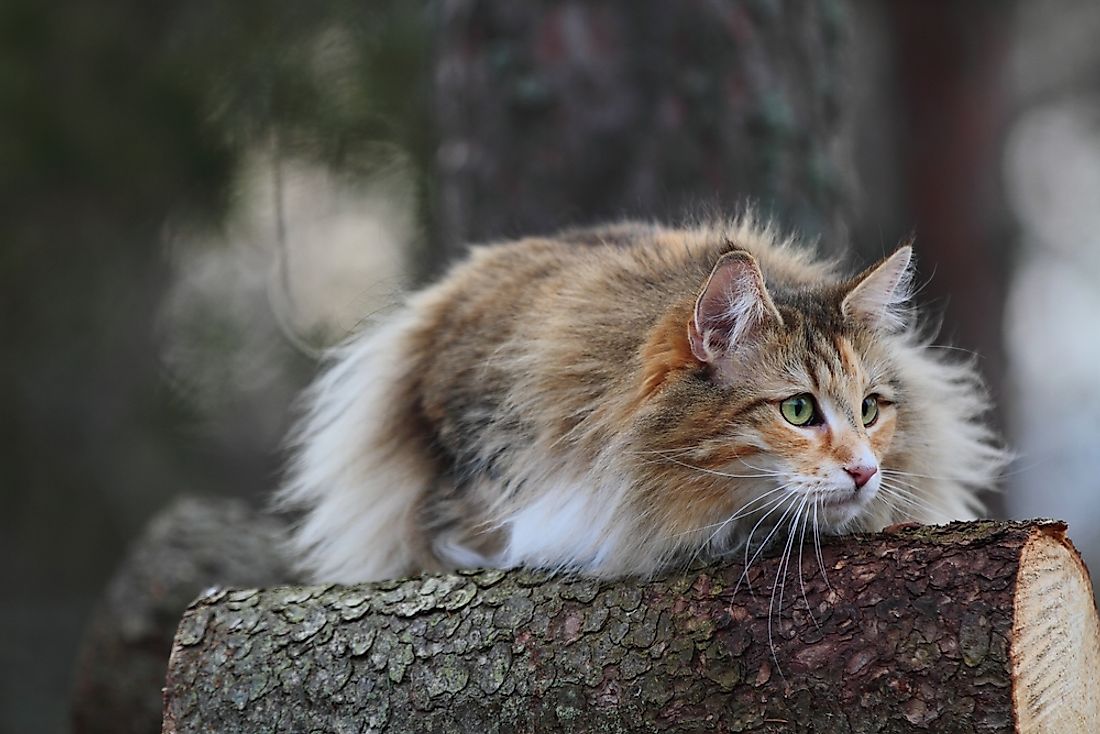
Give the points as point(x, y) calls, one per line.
point(616, 401)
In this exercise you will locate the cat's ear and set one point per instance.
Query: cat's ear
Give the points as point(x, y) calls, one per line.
point(731, 308)
point(878, 296)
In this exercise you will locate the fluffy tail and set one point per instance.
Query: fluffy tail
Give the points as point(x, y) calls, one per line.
point(354, 474)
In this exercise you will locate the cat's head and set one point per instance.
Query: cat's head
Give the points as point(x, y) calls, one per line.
point(794, 399)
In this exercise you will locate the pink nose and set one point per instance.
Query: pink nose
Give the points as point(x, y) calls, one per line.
point(861, 474)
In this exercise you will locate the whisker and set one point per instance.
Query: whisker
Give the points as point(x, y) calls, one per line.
point(951, 348)
point(900, 492)
point(664, 452)
point(895, 512)
point(895, 481)
point(1037, 463)
point(717, 473)
point(942, 478)
point(912, 502)
point(751, 466)
point(741, 512)
point(781, 584)
point(898, 473)
point(784, 562)
point(900, 481)
point(763, 545)
point(699, 549)
point(817, 546)
point(801, 580)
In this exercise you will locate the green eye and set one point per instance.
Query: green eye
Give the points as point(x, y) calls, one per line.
point(799, 410)
point(870, 409)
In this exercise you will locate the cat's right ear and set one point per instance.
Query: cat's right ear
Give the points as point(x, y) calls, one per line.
point(732, 306)
point(878, 295)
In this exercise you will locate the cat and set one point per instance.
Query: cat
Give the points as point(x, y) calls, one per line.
point(620, 400)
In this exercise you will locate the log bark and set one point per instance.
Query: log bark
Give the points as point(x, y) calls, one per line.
point(561, 114)
point(971, 627)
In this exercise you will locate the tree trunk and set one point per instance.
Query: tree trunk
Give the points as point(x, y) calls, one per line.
point(556, 114)
point(972, 627)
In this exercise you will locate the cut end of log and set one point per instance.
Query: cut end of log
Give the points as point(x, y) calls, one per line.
point(1055, 639)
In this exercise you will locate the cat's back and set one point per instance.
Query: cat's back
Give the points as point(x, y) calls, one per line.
point(608, 283)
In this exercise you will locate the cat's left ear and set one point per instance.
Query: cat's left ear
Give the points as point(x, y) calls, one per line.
point(878, 295)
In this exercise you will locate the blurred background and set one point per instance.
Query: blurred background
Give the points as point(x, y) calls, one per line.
point(196, 197)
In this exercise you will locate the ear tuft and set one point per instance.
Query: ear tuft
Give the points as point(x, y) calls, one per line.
point(732, 306)
point(878, 296)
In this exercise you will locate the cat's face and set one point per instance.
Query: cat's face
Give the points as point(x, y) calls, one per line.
point(827, 418)
point(795, 410)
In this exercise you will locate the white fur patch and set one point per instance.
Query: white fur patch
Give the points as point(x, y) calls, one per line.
point(565, 527)
point(357, 496)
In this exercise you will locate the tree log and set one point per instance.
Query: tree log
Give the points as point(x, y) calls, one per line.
point(970, 627)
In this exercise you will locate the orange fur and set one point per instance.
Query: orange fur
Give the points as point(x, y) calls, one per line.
point(666, 350)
